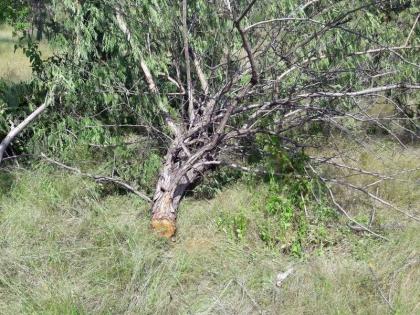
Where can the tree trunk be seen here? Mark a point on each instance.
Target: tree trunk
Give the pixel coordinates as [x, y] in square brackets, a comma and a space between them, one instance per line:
[164, 214]
[174, 180]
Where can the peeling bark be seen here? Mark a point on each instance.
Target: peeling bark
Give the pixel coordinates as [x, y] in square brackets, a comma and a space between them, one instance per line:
[166, 202]
[180, 171]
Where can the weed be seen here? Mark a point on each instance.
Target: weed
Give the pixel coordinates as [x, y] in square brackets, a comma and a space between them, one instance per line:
[233, 225]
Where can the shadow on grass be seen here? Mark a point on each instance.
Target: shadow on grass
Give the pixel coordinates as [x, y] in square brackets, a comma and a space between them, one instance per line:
[5, 40]
[6, 182]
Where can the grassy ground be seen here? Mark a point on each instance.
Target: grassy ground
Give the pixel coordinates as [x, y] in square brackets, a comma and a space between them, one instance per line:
[14, 65]
[67, 247]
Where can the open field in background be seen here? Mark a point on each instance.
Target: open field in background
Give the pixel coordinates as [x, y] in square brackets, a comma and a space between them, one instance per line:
[67, 247]
[14, 65]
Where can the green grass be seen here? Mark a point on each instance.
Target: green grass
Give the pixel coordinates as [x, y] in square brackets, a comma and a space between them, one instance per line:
[68, 249]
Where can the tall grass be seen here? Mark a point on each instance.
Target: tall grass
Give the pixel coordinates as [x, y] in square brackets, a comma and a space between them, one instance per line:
[69, 249]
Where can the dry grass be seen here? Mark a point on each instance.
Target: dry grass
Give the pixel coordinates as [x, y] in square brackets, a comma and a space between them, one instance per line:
[14, 65]
[66, 249]
[388, 158]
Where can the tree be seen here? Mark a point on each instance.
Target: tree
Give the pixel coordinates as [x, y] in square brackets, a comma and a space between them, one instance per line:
[215, 76]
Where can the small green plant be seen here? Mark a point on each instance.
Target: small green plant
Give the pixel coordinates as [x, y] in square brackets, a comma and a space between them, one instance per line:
[323, 213]
[234, 226]
[283, 224]
[295, 214]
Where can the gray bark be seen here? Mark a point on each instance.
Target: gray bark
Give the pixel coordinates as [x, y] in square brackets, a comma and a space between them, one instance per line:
[177, 175]
[19, 128]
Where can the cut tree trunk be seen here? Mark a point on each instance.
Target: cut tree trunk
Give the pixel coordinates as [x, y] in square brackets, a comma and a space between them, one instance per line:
[164, 214]
[175, 178]
[166, 202]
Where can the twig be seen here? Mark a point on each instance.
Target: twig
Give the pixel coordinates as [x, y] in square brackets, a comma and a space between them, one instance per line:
[384, 202]
[373, 212]
[278, 20]
[14, 157]
[248, 50]
[218, 298]
[99, 178]
[365, 228]
[249, 296]
[245, 12]
[245, 43]
[361, 92]
[304, 204]
[358, 170]
[362, 227]
[375, 278]
[412, 30]
[408, 262]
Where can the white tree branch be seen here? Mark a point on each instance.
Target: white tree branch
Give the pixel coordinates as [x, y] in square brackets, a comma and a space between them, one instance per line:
[19, 128]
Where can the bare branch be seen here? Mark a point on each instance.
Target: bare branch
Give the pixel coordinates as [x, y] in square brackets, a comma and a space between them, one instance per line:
[361, 92]
[344, 210]
[258, 24]
[147, 74]
[380, 290]
[237, 167]
[245, 42]
[99, 178]
[201, 76]
[19, 128]
[411, 31]
[356, 169]
[187, 61]
[373, 196]
[245, 12]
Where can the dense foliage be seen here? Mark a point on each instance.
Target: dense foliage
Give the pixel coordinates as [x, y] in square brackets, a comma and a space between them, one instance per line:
[126, 72]
[97, 69]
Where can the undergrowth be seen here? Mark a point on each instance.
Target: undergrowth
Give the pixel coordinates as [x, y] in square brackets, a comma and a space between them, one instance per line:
[284, 217]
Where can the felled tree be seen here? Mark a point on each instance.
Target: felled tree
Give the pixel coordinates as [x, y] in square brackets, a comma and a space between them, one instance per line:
[213, 75]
